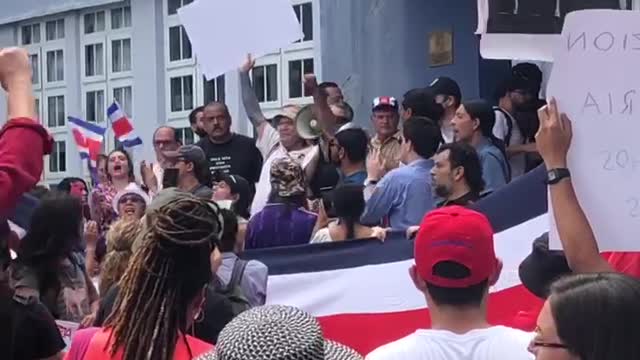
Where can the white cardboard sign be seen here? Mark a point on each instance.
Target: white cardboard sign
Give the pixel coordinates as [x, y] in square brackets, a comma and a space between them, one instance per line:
[223, 32]
[596, 81]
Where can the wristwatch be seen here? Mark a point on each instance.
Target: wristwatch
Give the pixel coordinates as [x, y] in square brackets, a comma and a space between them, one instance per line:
[370, 182]
[555, 175]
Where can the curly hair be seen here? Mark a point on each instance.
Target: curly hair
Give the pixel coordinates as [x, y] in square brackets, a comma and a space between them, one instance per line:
[120, 238]
[166, 273]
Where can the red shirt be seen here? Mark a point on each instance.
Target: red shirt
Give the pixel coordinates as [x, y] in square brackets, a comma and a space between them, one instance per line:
[23, 143]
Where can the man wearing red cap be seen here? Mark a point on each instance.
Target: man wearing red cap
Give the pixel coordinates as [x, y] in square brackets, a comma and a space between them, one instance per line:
[455, 266]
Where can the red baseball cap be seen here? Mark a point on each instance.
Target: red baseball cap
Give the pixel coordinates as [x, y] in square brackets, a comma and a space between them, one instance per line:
[455, 234]
[385, 101]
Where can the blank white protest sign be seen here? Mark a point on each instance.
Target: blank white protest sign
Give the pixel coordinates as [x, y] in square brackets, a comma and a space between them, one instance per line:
[596, 81]
[223, 32]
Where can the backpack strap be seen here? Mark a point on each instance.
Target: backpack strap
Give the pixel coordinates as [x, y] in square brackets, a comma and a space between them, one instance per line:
[510, 120]
[236, 274]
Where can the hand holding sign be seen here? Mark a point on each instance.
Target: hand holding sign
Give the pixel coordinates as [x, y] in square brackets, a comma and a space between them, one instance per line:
[554, 136]
[594, 83]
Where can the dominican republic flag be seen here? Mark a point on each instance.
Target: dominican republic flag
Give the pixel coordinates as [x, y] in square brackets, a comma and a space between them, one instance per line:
[122, 127]
[361, 291]
[528, 29]
[88, 138]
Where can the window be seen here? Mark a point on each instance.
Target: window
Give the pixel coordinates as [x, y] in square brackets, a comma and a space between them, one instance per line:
[185, 135]
[94, 22]
[214, 89]
[35, 69]
[58, 157]
[93, 60]
[121, 55]
[55, 113]
[304, 13]
[55, 66]
[37, 108]
[174, 5]
[124, 97]
[95, 108]
[30, 34]
[54, 29]
[181, 93]
[297, 70]
[121, 17]
[265, 82]
[179, 45]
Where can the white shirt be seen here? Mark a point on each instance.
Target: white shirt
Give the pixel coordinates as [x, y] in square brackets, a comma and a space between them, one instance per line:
[518, 163]
[158, 171]
[265, 144]
[446, 129]
[495, 343]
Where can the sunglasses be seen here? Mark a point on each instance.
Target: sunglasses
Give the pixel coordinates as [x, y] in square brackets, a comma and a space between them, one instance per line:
[132, 198]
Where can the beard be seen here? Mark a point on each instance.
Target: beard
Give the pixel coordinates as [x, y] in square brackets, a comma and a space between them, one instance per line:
[200, 132]
[442, 191]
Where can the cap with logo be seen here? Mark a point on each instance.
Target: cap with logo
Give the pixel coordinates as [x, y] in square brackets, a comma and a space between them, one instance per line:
[446, 86]
[385, 101]
[458, 235]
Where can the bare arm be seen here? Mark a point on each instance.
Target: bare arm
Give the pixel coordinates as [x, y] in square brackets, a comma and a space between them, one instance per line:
[577, 237]
[249, 99]
[321, 108]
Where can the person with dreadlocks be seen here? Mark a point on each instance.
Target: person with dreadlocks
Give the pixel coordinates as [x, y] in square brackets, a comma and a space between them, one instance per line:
[162, 294]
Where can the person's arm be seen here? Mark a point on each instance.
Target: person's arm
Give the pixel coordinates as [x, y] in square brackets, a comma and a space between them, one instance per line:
[492, 172]
[249, 99]
[380, 202]
[522, 148]
[577, 237]
[321, 108]
[23, 142]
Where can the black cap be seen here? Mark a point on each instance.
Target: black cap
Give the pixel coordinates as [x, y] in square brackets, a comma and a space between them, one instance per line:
[542, 267]
[446, 86]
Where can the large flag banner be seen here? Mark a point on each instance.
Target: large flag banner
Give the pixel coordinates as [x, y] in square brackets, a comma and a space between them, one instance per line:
[527, 29]
[122, 127]
[361, 290]
[88, 138]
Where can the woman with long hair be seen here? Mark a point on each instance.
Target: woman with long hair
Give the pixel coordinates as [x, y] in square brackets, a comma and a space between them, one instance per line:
[47, 267]
[590, 317]
[162, 292]
[119, 173]
[473, 124]
[348, 204]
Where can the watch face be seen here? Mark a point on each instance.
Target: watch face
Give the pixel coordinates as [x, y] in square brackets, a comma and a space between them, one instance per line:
[552, 175]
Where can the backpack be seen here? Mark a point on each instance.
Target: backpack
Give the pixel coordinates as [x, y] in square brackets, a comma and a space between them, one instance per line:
[510, 120]
[233, 292]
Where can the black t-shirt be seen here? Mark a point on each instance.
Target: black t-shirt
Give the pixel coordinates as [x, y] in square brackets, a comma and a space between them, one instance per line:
[238, 156]
[324, 179]
[218, 312]
[27, 330]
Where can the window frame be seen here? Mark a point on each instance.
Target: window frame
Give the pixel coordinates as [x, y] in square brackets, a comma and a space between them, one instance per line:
[286, 58]
[58, 83]
[57, 129]
[118, 37]
[124, 27]
[86, 89]
[38, 52]
[53, 175]
[182, 72]
[57, 37]
[277, 61]
[31, 26]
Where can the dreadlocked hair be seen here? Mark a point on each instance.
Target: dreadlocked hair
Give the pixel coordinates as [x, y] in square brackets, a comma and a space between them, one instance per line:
[167, 271]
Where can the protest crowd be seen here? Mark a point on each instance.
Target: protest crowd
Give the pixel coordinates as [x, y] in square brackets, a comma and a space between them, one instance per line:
[155, 262]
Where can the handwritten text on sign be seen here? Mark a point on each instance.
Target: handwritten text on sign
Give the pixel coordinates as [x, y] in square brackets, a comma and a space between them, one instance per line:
[596, 83]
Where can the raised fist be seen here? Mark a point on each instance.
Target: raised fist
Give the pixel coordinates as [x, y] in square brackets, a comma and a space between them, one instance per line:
[14, 67]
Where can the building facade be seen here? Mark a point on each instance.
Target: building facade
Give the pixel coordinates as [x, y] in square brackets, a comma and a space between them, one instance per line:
[87, 53]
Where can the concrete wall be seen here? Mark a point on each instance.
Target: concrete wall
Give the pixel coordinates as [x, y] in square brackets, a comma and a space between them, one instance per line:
[380, 47]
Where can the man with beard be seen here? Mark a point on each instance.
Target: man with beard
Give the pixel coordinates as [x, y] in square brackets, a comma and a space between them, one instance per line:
[456, 176]
[195, 120]
[348, 151]
[514, 96]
